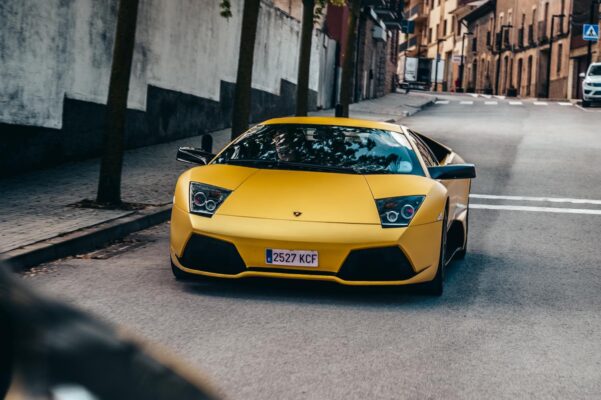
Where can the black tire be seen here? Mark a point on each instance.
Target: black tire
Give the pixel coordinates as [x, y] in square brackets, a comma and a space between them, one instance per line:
[436, 286]
[182, 275]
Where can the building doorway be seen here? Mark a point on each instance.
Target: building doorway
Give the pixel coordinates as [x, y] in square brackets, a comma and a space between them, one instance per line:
[529, 77]
[518, 82]
[541, 74]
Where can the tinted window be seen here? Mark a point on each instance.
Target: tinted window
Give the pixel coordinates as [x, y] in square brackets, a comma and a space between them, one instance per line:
[425, 151]
[595, 70]
[322, 147]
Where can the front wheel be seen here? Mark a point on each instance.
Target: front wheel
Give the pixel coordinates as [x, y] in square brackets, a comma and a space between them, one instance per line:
[435, 287]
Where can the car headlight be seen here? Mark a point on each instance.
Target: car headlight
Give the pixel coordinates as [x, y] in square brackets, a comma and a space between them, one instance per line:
[398, 211]
[206, 199]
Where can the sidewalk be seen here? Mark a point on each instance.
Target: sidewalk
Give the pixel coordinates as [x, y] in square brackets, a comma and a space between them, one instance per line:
[36, 208]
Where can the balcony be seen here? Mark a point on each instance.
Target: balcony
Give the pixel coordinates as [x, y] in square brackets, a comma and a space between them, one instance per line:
[391, 12]
[416, 13]
[530, 35]
[506, 41]
[542, 32]
[409, 44]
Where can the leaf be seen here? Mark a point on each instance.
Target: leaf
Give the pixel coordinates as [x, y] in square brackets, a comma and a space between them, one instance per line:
[226, 8]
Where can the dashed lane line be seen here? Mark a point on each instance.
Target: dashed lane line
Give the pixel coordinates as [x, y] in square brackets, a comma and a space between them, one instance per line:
[491, 103]
[536, 198]
[515, 103]
[564, 103]
[466, 102]
[441, 102]
[555, 210]
[541, 103]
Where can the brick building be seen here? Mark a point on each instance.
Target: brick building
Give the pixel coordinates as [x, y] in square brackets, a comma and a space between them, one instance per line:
[479, 58]
[377, 45]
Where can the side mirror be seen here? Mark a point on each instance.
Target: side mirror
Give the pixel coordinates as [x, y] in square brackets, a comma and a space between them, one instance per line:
[193, 155]
[582, 75]
[453, 171]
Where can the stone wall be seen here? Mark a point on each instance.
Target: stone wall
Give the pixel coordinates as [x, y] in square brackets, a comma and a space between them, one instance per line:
[56, 58]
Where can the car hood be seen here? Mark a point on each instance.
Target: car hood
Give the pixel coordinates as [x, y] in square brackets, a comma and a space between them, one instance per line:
[317, 196]
[593, 79]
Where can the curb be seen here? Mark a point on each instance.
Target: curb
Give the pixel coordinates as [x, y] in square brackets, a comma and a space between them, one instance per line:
[419, 108]
[84, 240]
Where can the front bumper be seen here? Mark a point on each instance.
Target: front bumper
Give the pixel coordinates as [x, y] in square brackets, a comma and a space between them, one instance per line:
[350, 254]
[591, 93]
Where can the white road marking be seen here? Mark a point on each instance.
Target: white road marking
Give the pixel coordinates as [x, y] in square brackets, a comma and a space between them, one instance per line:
[515, 103]
[469, 102]
[587, 109]
[563, 103]
[540, 103]
[536, 209]
[442, 102]
[491, 103]
[541, 199]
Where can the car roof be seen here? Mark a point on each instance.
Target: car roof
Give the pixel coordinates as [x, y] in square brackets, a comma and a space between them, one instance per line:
[335, 121]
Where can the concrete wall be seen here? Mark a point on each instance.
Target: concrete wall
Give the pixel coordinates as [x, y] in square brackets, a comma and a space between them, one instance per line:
[56, 57]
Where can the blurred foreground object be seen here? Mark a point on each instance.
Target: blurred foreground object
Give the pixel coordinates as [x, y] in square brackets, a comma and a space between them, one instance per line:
[49, 350]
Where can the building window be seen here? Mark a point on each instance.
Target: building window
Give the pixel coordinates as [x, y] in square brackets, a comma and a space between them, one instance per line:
[444, 32]
[430, 35]
[559, 57]
[437, 31]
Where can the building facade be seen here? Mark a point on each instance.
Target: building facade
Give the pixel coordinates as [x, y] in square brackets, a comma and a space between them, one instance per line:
[526, 48]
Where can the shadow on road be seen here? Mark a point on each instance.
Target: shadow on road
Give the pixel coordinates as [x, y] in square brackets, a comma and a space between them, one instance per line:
[317, 292]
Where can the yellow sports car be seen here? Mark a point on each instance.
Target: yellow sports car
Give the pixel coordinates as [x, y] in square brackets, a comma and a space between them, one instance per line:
[332, 199]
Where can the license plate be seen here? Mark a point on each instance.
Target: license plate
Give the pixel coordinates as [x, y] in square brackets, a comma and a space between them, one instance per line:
[297, 258]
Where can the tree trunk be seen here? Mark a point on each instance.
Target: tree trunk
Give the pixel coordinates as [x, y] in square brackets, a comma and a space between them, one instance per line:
[109, 183]
[304, 59]
[346, 81]
[242, 93]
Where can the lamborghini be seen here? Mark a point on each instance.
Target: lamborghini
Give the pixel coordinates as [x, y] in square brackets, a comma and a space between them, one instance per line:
[334, 199]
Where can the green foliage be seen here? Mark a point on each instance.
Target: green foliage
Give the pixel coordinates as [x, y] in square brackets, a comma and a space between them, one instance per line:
[226, 8]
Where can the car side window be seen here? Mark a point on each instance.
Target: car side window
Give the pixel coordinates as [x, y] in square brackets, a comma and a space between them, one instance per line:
[425, 151]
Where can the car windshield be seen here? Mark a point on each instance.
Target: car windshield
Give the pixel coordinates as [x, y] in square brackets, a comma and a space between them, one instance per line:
[595, 70]
[323, 148]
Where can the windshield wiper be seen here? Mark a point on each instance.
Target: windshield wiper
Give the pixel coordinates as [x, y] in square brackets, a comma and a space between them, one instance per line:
[318, 167]
[289, 164]
[248, 161]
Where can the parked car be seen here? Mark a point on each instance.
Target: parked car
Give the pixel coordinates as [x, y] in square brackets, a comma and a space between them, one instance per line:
[591, 86]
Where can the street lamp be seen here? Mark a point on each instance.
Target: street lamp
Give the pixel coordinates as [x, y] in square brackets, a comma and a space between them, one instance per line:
[499, 51]
[560, 17]
[438, 42]
[462, 65]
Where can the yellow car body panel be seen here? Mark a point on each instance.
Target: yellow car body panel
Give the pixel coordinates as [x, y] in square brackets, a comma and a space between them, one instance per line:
[338, 214]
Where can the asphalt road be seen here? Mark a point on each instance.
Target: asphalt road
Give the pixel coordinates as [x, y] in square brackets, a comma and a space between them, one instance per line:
[520, 317]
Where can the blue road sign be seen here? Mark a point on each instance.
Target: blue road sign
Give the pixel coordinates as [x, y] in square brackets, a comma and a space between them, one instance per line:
[590, 32]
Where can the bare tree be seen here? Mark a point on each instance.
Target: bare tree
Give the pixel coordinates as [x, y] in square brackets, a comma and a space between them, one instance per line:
[346, 81]
[109, 183]
[242, 93]
[304, 59]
